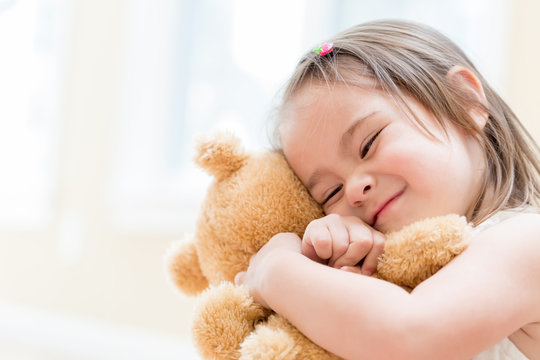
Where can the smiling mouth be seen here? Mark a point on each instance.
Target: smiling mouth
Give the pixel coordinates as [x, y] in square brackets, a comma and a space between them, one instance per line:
[376, 216]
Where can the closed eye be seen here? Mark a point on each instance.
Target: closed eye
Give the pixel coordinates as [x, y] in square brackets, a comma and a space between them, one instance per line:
[367, 146]
[332, 194]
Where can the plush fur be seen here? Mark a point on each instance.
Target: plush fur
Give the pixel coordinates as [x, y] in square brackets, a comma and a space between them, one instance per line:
[252, 198]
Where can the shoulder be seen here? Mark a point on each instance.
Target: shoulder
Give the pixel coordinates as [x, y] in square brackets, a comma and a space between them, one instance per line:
[513, 246]
[487, 292]
[518, 233]
[500, 262]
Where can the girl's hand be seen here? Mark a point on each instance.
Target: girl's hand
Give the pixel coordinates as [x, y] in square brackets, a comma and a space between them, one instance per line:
[260, 264]
[343, 242]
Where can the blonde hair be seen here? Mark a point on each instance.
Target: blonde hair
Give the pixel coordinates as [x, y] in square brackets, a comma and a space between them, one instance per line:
[409, 59]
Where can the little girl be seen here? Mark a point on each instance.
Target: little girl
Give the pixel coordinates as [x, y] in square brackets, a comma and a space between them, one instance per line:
[388, 124]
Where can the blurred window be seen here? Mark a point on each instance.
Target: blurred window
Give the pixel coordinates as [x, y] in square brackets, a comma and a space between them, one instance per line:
[192, 67]
[33, 38]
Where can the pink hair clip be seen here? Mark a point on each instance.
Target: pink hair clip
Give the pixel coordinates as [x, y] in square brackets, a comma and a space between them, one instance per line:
[324, 49]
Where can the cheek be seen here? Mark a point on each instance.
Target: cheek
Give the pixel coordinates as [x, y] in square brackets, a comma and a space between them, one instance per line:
[422, 166]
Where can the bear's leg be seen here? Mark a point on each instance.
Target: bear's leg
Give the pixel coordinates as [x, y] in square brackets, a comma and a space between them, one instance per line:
[224, 316]
[278, 339]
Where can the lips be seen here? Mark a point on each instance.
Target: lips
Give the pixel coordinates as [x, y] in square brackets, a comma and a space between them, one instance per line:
[384, 205]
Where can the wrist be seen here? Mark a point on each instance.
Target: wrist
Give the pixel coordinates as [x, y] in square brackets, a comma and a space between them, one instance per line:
[278, 266]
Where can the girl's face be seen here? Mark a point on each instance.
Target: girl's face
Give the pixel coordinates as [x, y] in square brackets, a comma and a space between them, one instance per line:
[360, 154]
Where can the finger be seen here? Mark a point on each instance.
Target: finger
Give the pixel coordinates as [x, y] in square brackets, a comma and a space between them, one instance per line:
[239, 278]
[372, 259]
[320, 239]
[340, 240]
[354, 255]
[309, 251]
[361, 241]
[307, 248]
[353, 269]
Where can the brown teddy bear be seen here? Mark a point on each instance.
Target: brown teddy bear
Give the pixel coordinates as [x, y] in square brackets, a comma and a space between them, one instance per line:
[253, 197]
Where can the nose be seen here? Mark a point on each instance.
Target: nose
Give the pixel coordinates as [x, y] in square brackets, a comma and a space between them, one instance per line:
[358, 188]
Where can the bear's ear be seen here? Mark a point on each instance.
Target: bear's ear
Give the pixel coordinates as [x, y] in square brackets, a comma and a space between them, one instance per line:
[183, 268]
[220, 155]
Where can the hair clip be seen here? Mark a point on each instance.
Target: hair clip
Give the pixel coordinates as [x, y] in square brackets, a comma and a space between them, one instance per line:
[324, 49]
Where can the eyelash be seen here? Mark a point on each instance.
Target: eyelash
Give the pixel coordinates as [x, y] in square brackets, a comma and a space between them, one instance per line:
[366, 147]
[363, 153]
[334, 192]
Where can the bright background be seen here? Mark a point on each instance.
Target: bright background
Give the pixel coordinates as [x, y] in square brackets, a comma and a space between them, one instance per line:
[99, 104]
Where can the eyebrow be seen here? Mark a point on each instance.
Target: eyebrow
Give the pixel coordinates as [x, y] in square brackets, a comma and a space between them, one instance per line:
[315, 178]
[319, 173]
[350, 131]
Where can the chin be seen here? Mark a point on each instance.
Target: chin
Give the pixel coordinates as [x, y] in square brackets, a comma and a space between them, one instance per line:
[394, 225]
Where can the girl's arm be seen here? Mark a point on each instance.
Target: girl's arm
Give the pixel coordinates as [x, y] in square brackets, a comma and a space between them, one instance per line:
[481, 297]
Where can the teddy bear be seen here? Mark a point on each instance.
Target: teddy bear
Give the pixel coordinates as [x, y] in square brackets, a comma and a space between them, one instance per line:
[254, 196]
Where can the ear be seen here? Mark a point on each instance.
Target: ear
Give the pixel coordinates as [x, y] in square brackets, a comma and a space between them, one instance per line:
[220, 155]
[469, 83]
[183, 268]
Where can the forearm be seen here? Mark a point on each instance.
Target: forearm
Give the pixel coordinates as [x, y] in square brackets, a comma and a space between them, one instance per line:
[349, 314]
[466, 307]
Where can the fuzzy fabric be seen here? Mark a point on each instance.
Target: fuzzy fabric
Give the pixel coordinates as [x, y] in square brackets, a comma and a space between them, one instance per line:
[252, 198]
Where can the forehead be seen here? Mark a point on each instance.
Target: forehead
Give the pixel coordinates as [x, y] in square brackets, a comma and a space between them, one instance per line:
[315, 102]
[316, 119]
[320, 111]
[312, 87]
